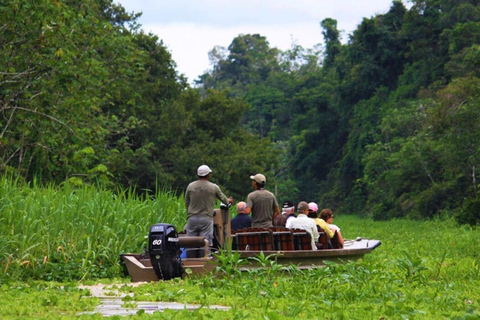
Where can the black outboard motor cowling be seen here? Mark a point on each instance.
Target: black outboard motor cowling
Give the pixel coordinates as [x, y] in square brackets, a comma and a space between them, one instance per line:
[164, 251]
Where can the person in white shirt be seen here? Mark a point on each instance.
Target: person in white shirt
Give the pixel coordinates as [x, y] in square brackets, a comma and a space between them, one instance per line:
[302, 221]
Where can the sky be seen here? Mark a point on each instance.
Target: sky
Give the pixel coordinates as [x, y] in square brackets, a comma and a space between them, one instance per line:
[191, 28]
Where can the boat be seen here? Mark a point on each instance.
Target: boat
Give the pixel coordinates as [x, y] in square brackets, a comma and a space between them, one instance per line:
[170, 254]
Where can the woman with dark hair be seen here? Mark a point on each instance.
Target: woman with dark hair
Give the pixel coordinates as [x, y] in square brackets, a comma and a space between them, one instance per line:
[327, 216]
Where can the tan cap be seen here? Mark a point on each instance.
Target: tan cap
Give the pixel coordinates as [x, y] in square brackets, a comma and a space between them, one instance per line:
[302, 206]
[260, 178]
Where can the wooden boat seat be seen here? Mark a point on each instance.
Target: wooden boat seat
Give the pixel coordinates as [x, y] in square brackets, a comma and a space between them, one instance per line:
[254, 239]
[323, 239]
[302, 240]
[233, 240]
[336, 241]
[282, 238]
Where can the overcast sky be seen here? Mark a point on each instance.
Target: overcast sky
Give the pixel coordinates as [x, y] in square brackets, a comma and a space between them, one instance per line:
[191, 28]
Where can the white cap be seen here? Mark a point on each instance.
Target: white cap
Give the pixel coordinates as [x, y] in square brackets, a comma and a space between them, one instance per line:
[260, 178]
[203, 170]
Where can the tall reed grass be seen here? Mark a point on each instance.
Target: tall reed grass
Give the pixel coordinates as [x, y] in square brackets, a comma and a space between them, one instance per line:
[54, 232]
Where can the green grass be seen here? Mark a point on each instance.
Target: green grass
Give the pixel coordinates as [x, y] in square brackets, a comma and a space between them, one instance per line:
[422, 270]
[71, 233]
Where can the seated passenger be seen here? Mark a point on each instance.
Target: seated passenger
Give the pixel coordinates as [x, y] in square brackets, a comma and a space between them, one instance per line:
[313, 213]
[288, 211]
[242, 220]
[302, 221]
[327, 215]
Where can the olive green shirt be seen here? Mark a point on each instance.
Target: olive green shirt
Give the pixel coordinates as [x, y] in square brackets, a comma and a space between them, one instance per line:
[200, 198]
[263, 204]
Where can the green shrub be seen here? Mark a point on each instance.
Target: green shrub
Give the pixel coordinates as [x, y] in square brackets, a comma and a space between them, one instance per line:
[438, 197]
[469, 212]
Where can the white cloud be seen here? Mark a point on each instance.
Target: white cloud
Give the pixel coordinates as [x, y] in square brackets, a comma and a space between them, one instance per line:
[190, 44]
[191, 28]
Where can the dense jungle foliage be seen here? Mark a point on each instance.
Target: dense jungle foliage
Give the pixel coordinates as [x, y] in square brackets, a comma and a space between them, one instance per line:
[384, 124]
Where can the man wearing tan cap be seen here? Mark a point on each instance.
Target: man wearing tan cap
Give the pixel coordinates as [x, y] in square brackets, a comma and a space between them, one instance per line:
[261, 203]
[302, 221]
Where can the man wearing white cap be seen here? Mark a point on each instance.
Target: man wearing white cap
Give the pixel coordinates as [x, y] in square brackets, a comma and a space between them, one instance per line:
[199, 200]
[261, 203]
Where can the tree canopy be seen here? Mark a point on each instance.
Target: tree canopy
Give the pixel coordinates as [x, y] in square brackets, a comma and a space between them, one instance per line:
[87, 97]
[384, 123]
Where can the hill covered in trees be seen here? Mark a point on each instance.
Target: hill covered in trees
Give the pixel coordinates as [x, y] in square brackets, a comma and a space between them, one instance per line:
[385, 124]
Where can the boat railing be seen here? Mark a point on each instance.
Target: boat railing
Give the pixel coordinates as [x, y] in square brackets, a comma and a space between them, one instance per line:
[283, 239]
[254, 239]
[194, 246]
[271, 239]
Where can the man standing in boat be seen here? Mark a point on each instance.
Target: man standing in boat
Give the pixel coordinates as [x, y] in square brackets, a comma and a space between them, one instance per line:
[200, 200]
[261, 203]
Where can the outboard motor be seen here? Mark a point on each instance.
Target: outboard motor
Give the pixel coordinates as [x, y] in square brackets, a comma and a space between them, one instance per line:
[164, 251]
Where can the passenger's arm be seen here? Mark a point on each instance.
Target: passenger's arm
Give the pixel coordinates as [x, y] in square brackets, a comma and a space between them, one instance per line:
[340, 238]
[249, 205]
[315, 233]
